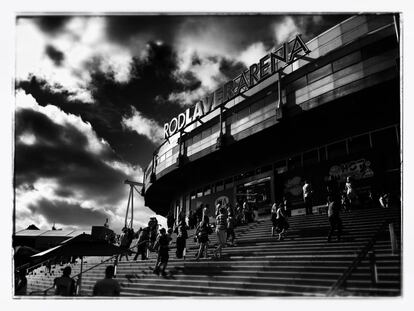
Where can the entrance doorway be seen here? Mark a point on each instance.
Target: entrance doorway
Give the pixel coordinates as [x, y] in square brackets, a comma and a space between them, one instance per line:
[257, 192]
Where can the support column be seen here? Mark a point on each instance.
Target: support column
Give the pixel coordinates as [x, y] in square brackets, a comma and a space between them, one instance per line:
[279, 105]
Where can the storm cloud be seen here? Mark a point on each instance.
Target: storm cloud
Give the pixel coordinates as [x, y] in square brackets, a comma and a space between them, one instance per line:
[61, 153]
[92, 93]
[68, 214]
[55, 55]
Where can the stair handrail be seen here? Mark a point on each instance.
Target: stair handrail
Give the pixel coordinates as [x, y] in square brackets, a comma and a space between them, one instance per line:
[361, 255]
[44, 291]
[34, 266]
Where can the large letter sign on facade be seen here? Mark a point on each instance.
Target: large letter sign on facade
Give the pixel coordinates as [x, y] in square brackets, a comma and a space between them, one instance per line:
[255, 74]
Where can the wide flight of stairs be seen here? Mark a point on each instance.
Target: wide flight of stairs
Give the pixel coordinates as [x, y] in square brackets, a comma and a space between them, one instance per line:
[302, 264]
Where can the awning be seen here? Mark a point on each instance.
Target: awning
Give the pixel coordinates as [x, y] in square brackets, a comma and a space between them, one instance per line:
[81, 245]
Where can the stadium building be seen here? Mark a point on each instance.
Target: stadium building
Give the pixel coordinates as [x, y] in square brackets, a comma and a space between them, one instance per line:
[309, 110]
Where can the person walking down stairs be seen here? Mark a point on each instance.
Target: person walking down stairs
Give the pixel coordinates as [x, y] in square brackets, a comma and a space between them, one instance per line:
[202, 232]
[126, 240]
[182, 236]
[162, 243]
[221, 231]
[142, 244]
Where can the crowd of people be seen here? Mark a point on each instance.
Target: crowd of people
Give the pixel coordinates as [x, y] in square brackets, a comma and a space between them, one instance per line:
[226, 218]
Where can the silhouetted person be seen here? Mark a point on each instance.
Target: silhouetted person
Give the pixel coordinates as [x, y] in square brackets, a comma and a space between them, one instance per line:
[281, 223]
[170, 219]
[21, 283]
[162, 243]
[65, 285]
[153, 231]
[142, 244]
[334, 218]
[221, 231]
[126, 240]
[199, 213]
[273, 218]
[181, 239]
[191, 219]
[202, 232]
[106, 224]
[384, 200]
[307, 197]
[231, 222]
[350, 193]
[255, 211]
[107, 286]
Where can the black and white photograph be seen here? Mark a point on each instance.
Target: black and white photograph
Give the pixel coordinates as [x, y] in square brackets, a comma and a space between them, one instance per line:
[207, 155]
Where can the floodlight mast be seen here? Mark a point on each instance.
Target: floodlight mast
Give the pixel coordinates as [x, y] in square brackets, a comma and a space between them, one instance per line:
[135, 183]
[132, 186]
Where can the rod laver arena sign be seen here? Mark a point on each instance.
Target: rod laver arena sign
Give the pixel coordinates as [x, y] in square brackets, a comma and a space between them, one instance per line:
[256, 73]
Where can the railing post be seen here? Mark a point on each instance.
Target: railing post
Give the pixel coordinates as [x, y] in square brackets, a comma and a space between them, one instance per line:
[392, 238]
[79, 285]
[115, 265]
[373, 268]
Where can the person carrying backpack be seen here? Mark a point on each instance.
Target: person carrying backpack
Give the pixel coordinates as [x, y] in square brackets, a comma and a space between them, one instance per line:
[162, 244]
[202, 232]
[126, 240]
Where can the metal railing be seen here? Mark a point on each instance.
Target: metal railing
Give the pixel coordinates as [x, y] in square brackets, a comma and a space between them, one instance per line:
[367, 249]
[79, 275]
[30, 268]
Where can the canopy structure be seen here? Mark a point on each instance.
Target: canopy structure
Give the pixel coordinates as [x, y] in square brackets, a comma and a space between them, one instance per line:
[22, 255]
[81, 245]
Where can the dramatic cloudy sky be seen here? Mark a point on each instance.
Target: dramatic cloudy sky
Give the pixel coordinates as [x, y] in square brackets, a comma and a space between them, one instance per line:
[92, 94]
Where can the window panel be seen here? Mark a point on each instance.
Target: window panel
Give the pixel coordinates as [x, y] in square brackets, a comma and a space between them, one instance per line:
[385, 139]
[310, 157]
[207, 190]
[297, 84]
[319, 73]
[229, 183]
[358, 144]
[346, 60]
[336, 150]
[257, 106]
[206, 133]
[199, 193]
[219, 186]
[243, 113]
[196, 138]
[295, 162]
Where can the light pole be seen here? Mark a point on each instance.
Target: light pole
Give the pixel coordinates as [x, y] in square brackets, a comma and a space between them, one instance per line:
[132, 186]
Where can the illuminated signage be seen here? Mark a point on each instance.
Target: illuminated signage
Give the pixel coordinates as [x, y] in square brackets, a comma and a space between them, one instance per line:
[256, 73]
[358, 169]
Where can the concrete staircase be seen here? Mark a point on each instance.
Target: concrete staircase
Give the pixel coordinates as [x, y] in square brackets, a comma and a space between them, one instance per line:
[302, 264]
